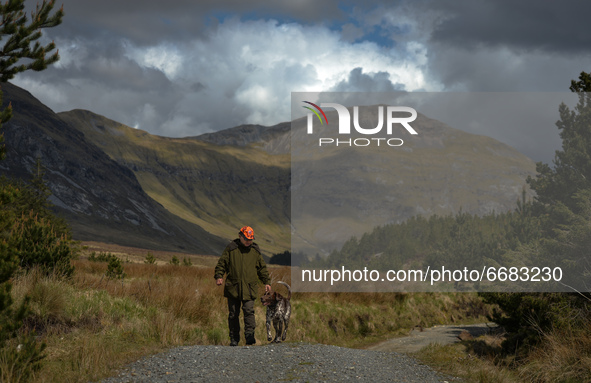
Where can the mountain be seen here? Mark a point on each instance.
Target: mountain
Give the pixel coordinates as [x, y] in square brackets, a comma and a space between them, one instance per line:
[118, 184]
[100, 198]
[274, 139]
[344, 191]
[220, 187]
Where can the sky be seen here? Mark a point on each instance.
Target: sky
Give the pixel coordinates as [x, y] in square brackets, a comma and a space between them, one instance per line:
[184, 67]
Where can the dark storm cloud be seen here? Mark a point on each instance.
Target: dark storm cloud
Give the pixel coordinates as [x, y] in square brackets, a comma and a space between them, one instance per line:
[528, 25]
[105, 63]
[152, 21]
[501, 69]
[501, 45]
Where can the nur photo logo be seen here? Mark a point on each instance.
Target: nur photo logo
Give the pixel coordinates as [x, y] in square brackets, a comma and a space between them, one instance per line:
[316, 113]
[392, 115]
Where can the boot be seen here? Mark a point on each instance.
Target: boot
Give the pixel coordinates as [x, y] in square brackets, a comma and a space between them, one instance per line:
[250, 340]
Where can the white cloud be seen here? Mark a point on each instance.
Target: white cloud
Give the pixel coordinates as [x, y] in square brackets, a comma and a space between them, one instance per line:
[256, 65]
[239, 72]
[164, 57]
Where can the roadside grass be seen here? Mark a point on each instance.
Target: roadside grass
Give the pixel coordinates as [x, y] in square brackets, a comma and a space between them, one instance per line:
[561, 356]
[455, 360]
[94, 325]
[360, 319]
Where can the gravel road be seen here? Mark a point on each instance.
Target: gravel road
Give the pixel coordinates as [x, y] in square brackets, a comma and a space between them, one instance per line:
[290, 362]
[419, 338]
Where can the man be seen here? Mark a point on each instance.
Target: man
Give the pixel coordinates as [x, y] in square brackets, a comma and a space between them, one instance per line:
[244, 265]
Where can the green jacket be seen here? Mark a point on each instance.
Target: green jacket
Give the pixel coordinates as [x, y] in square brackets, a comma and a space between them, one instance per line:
[244, 266]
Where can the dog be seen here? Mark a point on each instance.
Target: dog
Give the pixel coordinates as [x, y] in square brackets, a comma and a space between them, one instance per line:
[278, 313]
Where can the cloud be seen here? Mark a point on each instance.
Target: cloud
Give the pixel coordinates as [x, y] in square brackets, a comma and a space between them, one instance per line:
[239, 72]
[502, 69]
[150, 22]
[350, 32]
[527, 25]
[361, 82]
[487, 45]
[185, 67]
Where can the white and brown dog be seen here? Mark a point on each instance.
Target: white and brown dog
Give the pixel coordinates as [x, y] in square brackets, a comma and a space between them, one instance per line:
[278, 312]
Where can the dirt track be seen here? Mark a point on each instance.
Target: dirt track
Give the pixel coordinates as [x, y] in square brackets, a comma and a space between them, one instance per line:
[419, 338]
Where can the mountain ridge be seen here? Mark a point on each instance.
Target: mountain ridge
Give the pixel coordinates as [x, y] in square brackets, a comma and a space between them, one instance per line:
[203, 188]
[100, 199]
[271, 138]
[210, 185]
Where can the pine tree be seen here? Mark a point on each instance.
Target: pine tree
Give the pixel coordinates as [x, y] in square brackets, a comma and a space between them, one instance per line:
[150, 259]
[22, 33]
[18, 34]
[175, 261]
[564, 191]
[20, 52]
[563, 203]
[115, 268]
[572, 164]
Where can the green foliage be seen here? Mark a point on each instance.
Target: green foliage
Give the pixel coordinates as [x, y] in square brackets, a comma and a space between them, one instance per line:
[36, 244]
[175, 260]
[115, 268]
[564, 191]
[459, 241]
[563, 207]
[215, 335]
[21, 359]
[16, 364]
[527, 316]
[37, 237]
[187, 262]
[572, 164]
[569, 240]
[8, 258]
[18, 35]
[22, 34]
[150, 259]
[10, 317]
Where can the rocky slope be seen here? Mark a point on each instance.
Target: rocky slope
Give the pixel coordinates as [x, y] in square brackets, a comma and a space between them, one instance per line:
[100, 198]
[218, 187]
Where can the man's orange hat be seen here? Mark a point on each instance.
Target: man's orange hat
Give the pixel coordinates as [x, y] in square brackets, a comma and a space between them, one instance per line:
[247, 232]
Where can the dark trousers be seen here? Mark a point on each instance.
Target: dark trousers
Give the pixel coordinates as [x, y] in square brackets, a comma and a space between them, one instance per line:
[234, 319]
